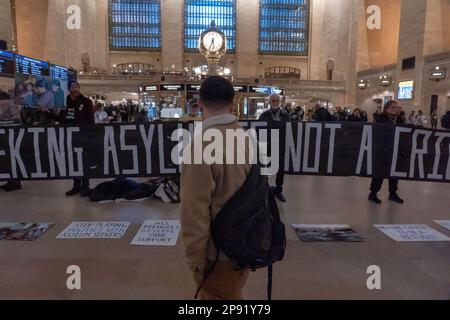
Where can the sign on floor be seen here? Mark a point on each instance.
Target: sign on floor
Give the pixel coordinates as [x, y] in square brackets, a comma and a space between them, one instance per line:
[158, 233]
[23, 231]
[326, 233]
[411, 233]
[95, 230]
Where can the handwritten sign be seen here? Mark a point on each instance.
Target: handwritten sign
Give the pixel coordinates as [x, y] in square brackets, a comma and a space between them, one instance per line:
[94, 230]
[412, 233]
[158, 233]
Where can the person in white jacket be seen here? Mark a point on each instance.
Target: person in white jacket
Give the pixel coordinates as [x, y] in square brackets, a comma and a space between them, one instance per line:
[421, 119]
[100, 115]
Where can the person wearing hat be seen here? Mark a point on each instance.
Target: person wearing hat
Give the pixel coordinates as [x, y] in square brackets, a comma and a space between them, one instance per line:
[193, 113]
[79, 111]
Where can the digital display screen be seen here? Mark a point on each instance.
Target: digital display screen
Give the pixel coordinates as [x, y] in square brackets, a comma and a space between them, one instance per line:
[405, 90]
[172, 87]
[241, 88]
[151, 88]
[6, 64]
[57, 72]
[193, 87]
[266, 90]
[29, 66]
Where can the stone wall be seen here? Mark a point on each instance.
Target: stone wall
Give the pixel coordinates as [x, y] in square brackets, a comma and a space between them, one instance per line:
[5, 23]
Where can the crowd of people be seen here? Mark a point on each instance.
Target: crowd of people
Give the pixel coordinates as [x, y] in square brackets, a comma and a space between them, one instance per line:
[323, 114]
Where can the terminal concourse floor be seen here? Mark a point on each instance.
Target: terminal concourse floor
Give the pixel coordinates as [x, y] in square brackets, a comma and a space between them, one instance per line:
[112, 269]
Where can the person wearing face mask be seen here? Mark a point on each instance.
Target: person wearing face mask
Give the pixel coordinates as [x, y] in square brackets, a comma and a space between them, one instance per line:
[390, 115]
[278, 115]
[79, 111]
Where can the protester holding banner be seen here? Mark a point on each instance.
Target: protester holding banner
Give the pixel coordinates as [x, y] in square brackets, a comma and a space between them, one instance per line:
[276, 115]
[390, 115]
[205, 189]
[79, 112]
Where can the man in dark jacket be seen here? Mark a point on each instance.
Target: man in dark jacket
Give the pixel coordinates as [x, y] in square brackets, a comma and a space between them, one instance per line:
[79, 111]
[277, 116]
[322, 115]
[389, 115]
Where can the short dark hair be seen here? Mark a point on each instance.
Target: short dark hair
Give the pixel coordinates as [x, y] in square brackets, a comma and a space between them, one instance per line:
[217, 92]
[388, 104]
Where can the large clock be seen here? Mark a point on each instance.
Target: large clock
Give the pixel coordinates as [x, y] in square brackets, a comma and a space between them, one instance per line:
[213, 42]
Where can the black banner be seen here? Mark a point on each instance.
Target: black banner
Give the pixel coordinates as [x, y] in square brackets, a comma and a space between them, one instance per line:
[305, 148]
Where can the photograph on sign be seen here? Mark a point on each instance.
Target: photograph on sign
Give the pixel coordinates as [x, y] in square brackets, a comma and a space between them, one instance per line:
[405, 90]
[23, 231]
[9, 111]
[412, 233]
[326, 233]
[158, 233]
[95, 230]
[443, 223]
[40, 91]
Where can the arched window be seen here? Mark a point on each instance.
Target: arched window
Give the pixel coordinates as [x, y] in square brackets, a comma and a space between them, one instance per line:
[134, 24]
[284, 27]
[198, 15]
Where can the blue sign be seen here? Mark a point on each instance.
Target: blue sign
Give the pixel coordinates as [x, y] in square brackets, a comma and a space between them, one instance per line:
[29, 66]
[6, 64]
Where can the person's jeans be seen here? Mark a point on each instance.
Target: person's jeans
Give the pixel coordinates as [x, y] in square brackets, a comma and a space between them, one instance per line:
[377, 183]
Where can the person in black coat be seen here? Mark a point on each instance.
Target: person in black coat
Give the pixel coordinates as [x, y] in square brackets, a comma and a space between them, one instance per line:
[322, 114]
[275, 116]
[79, 112]
[389, 115]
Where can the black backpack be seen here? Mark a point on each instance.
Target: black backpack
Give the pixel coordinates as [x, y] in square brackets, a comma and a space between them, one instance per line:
[248, 229]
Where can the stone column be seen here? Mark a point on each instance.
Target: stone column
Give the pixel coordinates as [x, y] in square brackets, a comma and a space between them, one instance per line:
[172, 34]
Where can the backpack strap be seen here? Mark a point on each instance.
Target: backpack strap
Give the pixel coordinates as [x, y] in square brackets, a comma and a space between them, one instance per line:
[269, 281]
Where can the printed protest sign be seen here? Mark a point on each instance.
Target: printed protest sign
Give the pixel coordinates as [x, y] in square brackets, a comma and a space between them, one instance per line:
[158, 233]
[95, 230]
[412, 233]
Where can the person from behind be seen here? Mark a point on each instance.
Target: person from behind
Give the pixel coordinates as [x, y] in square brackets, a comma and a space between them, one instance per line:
[205, 189]
[389, 115]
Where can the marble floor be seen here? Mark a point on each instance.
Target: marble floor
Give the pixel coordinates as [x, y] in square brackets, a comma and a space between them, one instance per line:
[112, 269]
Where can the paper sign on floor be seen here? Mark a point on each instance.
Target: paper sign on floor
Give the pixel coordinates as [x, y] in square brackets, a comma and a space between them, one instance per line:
[411, 233]
[443, 223]
[326, 233]
[95, 230]
[158, 233]
[23, 231]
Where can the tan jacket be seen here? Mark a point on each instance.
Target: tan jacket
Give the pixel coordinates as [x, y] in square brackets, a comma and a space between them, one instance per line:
[205, 189]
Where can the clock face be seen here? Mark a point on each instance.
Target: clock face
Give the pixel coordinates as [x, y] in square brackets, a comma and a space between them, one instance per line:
[213, 41]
